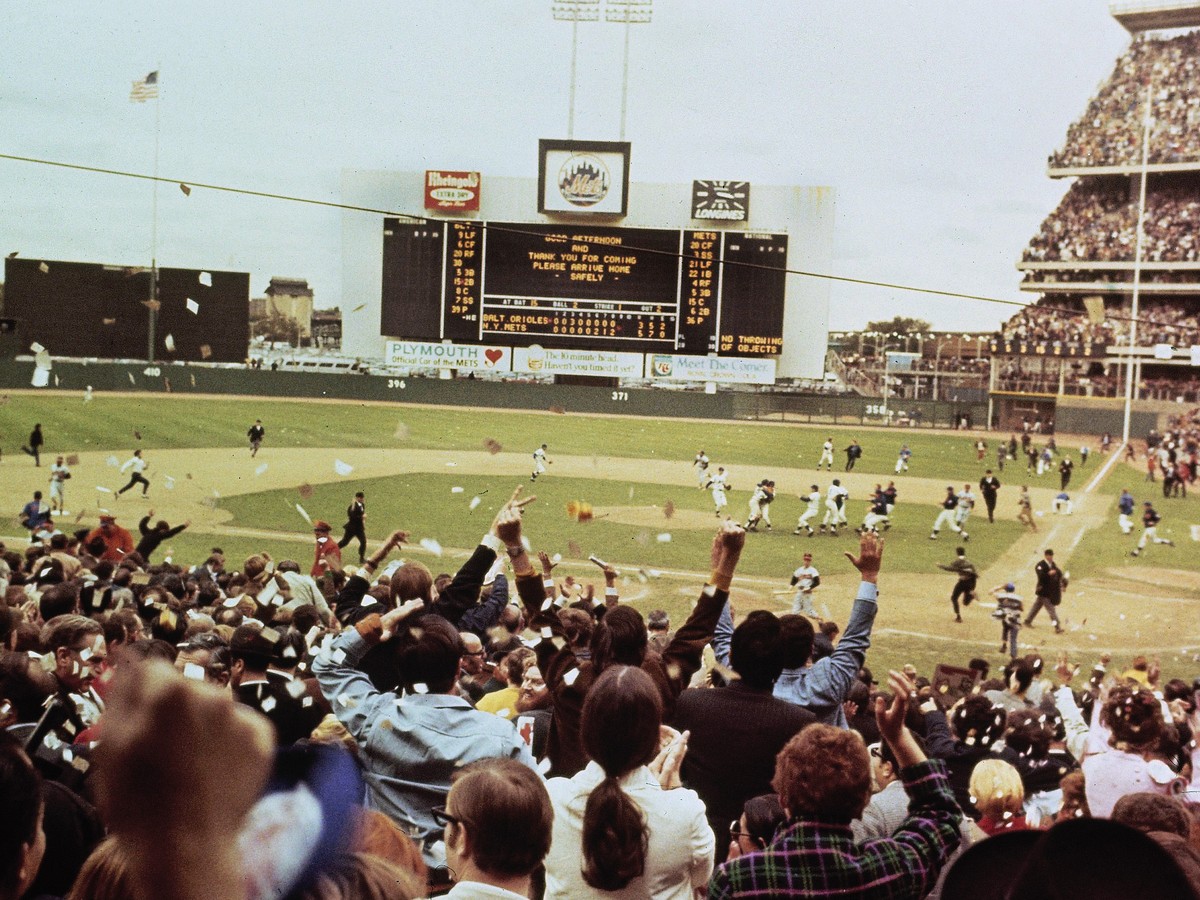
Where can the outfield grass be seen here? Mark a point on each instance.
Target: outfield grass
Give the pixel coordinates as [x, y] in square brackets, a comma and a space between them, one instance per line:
[110, 422]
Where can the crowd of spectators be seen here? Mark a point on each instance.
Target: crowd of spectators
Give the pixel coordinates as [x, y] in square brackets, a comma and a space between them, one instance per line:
[1097, 222]
[1106, 278]
[1057, 322]
[1062, 321]
[197, 731]
[1028, 375]
[1109, 133]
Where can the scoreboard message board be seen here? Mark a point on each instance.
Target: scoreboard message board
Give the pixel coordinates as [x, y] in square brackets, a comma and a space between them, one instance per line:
[586, 287]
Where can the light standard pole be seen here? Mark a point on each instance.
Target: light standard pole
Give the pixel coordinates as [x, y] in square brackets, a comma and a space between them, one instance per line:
[1137, 268]
[629, 12]
[574, 11]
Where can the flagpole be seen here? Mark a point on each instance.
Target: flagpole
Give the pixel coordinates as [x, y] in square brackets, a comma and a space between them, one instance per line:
[150, 334]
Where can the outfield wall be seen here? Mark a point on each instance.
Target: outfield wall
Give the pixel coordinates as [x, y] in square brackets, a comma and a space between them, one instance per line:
[654, 403]
[1073, 415]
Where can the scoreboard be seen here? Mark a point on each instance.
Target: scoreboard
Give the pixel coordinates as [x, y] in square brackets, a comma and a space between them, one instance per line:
[585, 287]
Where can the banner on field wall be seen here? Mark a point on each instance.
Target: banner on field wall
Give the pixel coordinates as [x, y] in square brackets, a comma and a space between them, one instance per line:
[727, 369]
[539, 360]
[432, 355]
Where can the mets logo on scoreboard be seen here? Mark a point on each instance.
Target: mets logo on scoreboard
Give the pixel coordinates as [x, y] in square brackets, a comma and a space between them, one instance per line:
[583, 180]
[725, 200]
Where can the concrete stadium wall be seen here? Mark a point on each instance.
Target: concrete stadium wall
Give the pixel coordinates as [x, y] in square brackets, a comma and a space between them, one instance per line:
[1097, 415]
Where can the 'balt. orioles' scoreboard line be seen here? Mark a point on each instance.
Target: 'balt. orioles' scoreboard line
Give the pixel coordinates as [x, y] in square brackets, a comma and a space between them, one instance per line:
[575, 287]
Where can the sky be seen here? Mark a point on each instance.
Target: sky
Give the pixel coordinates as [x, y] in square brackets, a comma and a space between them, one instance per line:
[931, 121]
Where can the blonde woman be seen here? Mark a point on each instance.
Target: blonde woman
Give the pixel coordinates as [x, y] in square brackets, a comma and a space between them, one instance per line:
[998, 794]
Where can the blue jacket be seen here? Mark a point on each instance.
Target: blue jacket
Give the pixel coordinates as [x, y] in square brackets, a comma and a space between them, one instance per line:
[823, 687]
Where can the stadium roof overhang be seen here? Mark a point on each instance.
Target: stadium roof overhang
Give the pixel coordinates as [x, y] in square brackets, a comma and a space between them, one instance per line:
[1155, 16]
[1128, 169]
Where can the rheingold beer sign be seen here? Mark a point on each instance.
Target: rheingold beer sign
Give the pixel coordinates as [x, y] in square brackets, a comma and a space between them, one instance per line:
[451, 191]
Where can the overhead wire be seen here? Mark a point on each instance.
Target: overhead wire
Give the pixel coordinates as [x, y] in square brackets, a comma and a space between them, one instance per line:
[415, 218]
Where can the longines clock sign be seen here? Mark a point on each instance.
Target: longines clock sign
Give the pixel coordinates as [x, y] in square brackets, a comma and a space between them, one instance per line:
[728, 201]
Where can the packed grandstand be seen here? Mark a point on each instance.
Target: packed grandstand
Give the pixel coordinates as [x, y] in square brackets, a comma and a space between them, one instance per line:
[1088, 246]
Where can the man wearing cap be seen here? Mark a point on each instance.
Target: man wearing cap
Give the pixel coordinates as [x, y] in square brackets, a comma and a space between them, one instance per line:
[1150, 520]
[355, 527]
[1050, 584]
[813, 499]
[109, 541]
[1009, 606]
[805, 580]
[326, 550]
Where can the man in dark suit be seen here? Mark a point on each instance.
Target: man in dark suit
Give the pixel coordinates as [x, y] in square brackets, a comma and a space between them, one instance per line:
[291, 710]
[737, 731]
[1050, 584]
[989, 485]
[356, 513]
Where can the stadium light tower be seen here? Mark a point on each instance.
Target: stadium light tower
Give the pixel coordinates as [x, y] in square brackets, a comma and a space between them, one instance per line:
[626, 12]
[629, 12]
[574, 11]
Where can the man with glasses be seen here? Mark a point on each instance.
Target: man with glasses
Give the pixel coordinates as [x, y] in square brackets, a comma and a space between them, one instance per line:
[496, 824]
[472, 672]
[77, 646]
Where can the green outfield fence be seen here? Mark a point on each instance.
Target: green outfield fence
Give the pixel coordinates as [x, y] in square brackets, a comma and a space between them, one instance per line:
[1073, 415]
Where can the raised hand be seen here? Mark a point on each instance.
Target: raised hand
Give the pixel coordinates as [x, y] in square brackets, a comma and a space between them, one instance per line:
[890, 718]
[727, 547]
[507, 524]
[870, 556]
[392, 618]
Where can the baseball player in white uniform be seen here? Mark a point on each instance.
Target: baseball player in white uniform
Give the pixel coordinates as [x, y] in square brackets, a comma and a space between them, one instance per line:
[760, 505]
[826, 459]
[813, 498]
[835, 507]
[805, 580]
[719, 484]
[966, 503]
[539, 462]
[700, 464]
[59, 473]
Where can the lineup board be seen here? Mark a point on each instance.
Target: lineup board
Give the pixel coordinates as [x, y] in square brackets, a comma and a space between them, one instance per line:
[585, 287]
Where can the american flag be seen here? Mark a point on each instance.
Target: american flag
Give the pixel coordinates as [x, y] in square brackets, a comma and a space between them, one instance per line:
[145, 89]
